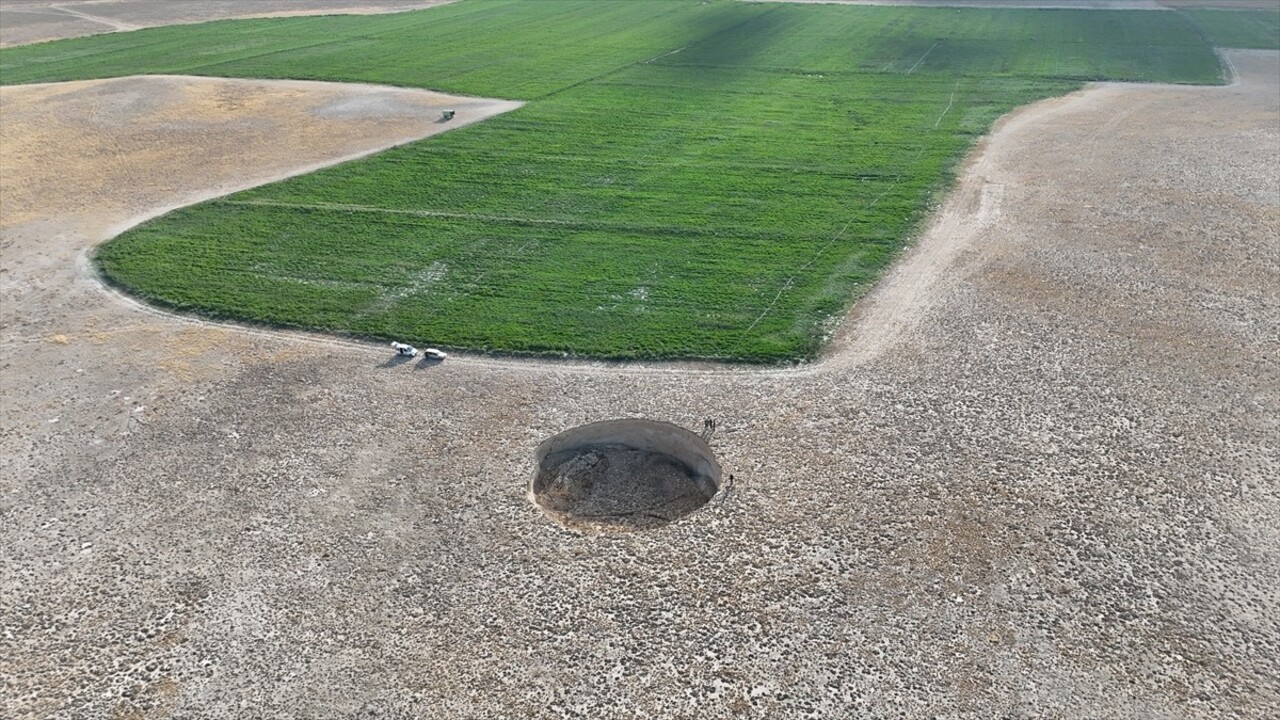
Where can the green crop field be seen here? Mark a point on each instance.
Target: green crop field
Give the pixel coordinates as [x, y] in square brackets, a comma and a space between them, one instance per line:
[1258, 29]
[689, 179]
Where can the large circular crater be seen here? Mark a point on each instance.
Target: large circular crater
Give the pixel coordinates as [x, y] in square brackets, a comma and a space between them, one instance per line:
[629, 474]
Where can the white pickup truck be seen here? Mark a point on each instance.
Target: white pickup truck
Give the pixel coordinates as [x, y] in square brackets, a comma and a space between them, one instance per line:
[408, 350]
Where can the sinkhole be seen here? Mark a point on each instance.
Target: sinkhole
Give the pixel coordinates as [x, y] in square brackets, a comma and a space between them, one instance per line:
[621, 475]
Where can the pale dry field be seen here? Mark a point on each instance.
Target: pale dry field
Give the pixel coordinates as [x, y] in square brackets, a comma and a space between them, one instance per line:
[1034, 477]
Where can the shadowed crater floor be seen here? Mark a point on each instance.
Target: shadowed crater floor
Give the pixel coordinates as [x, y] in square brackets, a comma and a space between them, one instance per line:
[624, 475]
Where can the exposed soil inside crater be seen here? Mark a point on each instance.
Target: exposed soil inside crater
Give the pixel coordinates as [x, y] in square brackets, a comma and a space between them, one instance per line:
[618, 486]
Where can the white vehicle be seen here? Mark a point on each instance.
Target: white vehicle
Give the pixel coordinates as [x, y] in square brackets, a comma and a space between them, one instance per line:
[404, 349]
[434, 354]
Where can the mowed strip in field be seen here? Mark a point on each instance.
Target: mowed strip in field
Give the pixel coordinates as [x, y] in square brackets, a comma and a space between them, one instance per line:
[690, 179]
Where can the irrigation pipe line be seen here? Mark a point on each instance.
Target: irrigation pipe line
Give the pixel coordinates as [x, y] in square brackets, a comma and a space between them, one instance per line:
[922, 57]
[791, 280]
[947, 109]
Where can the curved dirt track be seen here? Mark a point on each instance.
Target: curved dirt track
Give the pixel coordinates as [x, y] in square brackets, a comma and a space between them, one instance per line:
[1039, 483]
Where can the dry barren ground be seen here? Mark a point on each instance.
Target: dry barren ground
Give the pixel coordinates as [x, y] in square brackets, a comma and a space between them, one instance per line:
[28, 21]
[1035, 478]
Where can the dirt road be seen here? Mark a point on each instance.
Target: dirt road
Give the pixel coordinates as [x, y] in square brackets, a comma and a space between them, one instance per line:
[1035, 478]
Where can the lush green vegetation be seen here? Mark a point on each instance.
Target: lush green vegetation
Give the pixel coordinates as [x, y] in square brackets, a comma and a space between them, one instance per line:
[528, 48]
[504, 48]
[690, 179]
[1258, 29]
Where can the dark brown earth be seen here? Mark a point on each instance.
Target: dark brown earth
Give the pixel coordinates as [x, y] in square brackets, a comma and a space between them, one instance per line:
[616, 486]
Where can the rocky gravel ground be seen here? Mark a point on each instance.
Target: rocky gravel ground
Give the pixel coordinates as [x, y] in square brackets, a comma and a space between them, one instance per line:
[1035, 478]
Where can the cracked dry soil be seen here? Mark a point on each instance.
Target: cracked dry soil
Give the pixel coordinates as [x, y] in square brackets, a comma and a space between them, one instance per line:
[1049, 492]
